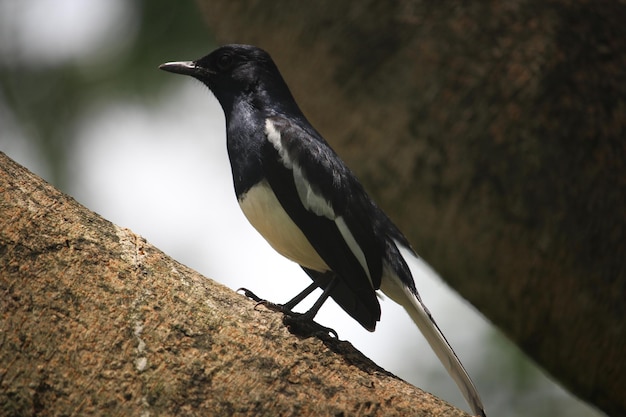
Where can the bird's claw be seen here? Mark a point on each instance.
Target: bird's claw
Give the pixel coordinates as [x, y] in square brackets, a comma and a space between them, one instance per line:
[296, 322]
[305, 326]
[261, 302]
[249, 294]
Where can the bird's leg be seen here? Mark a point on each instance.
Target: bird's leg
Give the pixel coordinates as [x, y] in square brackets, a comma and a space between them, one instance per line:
[283, 308]
[301, 296]
[301, 322]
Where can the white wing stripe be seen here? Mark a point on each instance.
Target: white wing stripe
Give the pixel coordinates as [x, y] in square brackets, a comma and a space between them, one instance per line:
[273, 135]
[353, 245]
[311, 200]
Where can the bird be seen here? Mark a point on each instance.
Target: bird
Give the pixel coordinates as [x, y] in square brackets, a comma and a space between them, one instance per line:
[301, 197]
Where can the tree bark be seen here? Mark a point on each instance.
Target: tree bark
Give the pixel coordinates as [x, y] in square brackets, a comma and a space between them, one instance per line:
[493, 133]
[96, 321]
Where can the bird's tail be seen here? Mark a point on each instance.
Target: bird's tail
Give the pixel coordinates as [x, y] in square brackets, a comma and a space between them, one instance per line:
[418, 312]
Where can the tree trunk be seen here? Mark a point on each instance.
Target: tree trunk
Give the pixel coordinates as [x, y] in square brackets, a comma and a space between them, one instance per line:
[493, 133]
[96, 321]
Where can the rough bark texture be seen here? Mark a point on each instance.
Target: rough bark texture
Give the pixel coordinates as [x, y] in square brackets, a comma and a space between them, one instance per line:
[493, 133]
[96, 321]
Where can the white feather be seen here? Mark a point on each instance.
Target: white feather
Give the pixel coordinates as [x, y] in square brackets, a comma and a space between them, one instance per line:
[400, 293]
[353, 245]
[265, 213]
[311, 200]
[273, 135]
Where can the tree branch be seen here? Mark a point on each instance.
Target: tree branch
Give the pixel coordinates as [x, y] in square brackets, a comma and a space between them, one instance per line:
[95, 320]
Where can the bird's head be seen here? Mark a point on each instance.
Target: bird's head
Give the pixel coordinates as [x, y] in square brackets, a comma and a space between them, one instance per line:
[234, 71]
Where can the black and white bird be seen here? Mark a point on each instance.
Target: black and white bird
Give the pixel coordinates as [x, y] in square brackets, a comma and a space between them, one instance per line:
[297, 193]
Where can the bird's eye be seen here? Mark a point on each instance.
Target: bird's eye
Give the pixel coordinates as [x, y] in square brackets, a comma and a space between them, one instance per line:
[225, 61]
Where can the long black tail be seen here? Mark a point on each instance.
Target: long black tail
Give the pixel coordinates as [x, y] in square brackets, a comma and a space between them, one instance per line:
[401, 294]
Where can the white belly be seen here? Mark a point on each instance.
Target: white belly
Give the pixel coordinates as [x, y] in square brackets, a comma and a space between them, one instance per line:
[268, 217]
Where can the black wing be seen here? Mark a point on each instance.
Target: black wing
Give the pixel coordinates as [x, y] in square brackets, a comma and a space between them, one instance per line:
[331, 208]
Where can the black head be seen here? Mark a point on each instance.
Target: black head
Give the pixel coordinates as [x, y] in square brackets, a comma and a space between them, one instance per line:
[237, 72]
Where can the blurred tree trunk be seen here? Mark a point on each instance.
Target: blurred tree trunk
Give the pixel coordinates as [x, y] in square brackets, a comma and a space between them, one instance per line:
[493, 133]
[96, 321]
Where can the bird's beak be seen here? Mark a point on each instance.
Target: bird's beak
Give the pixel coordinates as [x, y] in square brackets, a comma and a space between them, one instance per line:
[181, 67]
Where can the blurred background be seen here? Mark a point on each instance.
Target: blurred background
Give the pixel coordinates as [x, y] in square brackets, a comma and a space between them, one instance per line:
[83, 105]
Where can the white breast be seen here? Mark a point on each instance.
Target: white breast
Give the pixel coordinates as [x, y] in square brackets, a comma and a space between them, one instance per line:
[268, 217]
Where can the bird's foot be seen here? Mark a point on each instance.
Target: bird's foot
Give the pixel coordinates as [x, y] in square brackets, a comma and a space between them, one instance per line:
[305, 326]
[261, 302]
[297, 323]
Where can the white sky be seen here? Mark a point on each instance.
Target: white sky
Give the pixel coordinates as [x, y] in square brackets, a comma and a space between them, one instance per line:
[50, 32]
